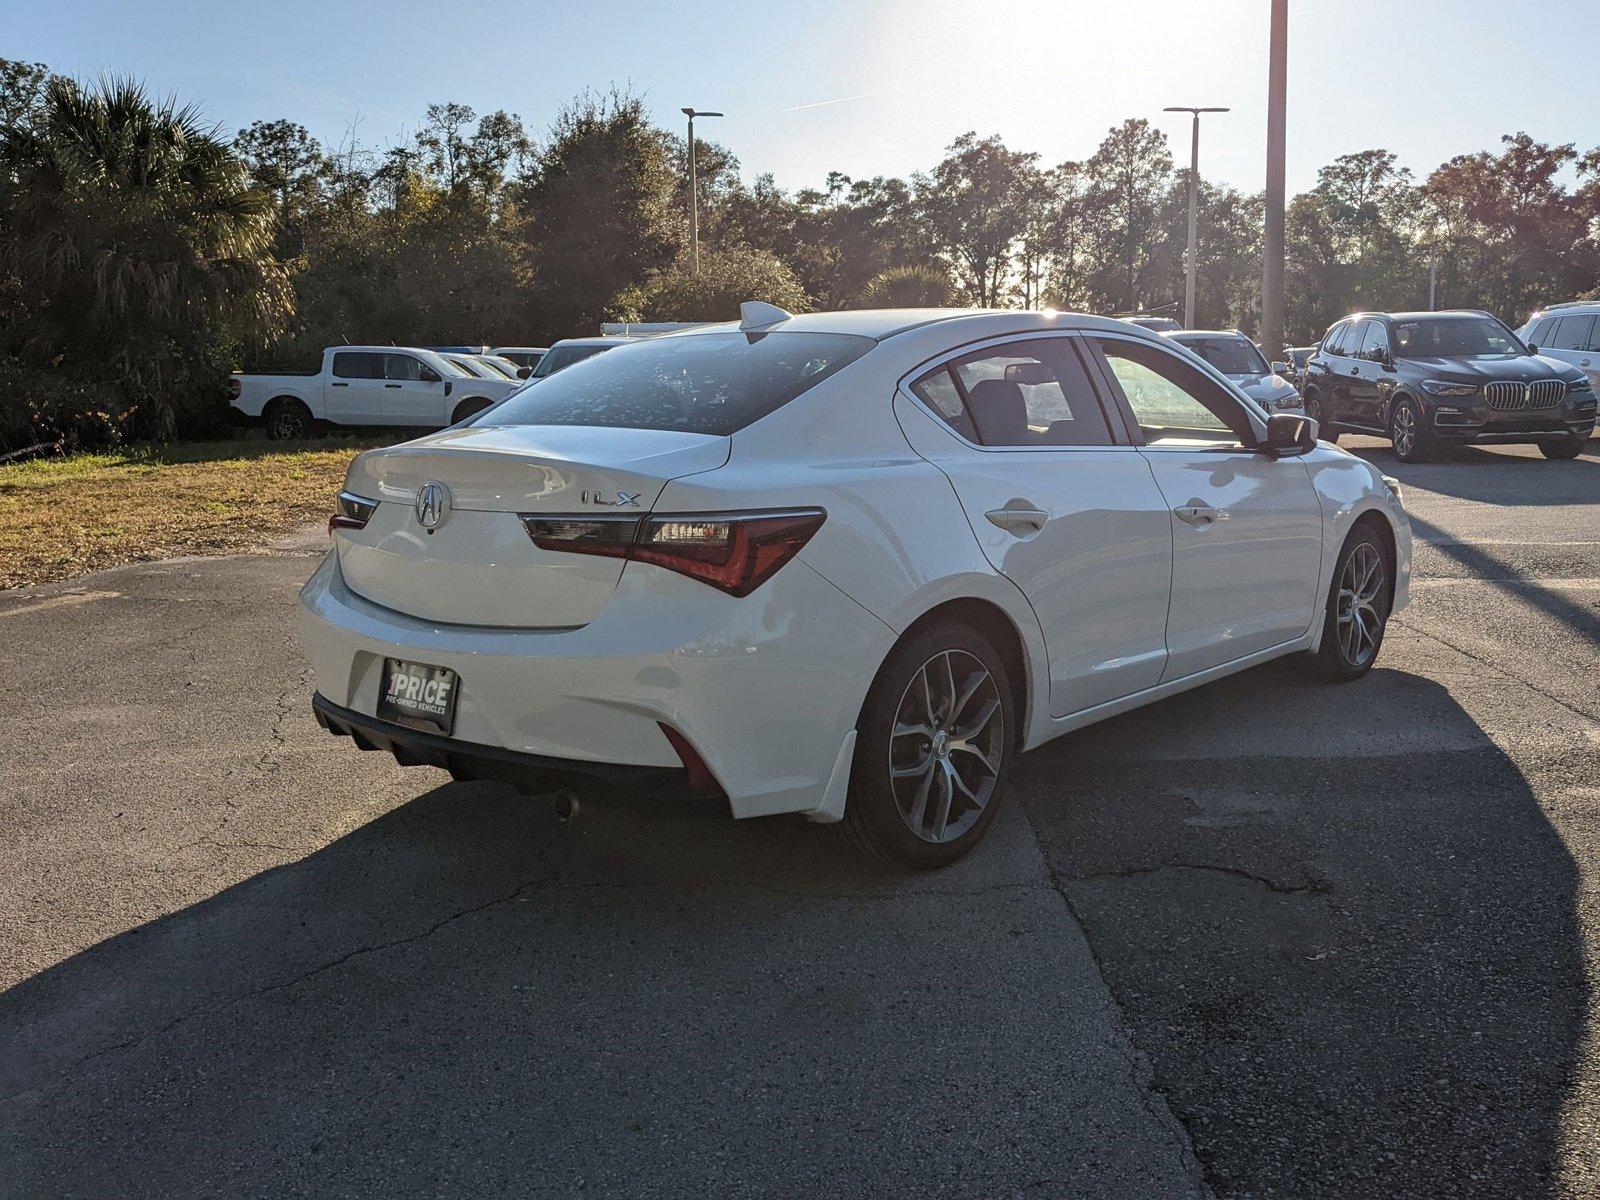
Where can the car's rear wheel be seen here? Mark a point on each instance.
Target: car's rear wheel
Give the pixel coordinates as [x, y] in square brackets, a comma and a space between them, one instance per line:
[1568, 447]
[933, 749]
[287, 420]
[1314, 410]
[1412, 442]
[1358, 608]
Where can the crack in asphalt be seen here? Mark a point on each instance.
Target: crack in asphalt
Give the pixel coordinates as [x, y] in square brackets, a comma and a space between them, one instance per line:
[1315, 887]
[1141, 1073]
[266, 762]
[521, 890]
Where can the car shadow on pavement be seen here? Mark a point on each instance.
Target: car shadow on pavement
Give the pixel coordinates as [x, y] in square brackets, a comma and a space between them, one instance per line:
[1479, 473]
[469, 996]
[1340, 925]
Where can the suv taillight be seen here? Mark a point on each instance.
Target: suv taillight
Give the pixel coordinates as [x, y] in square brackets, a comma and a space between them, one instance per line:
[735, 552]
[235, 386]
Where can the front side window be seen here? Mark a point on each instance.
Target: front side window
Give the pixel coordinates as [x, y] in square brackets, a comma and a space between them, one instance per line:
[1334, 343]
[402, 367]
[1375, 338]
[1454, 337]
[714, 383]
[1173, 403]
[1034, 392]
[1539, 335]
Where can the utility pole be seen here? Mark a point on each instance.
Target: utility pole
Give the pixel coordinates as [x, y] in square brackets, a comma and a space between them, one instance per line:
[1194, 190]
[1433, 286]
[1272, 243]
[694, 192]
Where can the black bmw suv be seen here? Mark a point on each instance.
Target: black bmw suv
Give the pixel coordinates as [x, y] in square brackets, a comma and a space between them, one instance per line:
[1431, 379]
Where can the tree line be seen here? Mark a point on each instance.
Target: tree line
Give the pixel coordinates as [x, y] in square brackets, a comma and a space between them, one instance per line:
[143, 253]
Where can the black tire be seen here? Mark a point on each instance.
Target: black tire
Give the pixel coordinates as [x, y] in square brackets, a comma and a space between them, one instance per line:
[1335, 661]
[287, 420]
[1568, 447]
[881, 810]
[1412, 440]
[470, 407]
[1325, 432]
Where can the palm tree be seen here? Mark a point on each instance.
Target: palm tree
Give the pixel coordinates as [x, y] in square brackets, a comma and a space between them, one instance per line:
[140, 248]
[909, 287]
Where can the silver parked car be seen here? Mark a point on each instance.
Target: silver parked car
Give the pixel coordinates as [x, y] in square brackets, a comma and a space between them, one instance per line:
[1237, 357]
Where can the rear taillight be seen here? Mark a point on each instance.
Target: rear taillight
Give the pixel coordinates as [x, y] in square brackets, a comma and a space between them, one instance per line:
[354, 512]
[735, 552]
[234, 388]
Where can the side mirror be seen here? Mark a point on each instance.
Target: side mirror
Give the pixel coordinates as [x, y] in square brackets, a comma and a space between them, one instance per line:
[1532, 349]
[524, 372]
[429, 375]
[1281, 368]
[1290, 434]
[1378, 355]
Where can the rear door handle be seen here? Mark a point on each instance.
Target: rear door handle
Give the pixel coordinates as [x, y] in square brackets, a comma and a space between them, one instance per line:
[1023, 522]
[341, 385]
[1199, 514]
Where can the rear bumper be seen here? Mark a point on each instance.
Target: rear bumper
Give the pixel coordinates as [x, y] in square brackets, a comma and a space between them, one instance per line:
[765, 688]
[467, 760]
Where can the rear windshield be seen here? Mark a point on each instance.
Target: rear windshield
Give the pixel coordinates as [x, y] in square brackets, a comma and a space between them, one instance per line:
[713, 383]
[1230, 355]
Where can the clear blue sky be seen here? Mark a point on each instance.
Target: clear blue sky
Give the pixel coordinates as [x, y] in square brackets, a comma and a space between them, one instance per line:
[872, 86]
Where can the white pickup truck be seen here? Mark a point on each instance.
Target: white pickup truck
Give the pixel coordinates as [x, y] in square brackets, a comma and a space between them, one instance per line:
[367, 385]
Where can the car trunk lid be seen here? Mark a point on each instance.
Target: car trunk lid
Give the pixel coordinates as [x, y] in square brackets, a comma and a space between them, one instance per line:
[477, 565]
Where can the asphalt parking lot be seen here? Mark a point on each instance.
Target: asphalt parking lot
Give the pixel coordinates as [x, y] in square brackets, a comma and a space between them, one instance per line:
[1269, 938]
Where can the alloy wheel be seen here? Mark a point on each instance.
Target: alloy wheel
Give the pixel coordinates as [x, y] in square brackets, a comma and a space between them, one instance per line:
[287, 425]
[946, 746]
[1405, 430]
[1360, 624]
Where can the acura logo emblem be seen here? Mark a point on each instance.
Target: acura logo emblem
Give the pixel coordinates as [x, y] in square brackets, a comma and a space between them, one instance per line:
[433, 501]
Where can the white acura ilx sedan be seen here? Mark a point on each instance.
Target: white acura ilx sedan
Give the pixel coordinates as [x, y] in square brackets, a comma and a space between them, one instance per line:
[841, 564]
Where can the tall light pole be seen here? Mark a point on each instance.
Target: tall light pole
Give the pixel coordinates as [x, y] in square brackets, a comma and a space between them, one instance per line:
[694, 192]
[1194, 190]
[1272, 242]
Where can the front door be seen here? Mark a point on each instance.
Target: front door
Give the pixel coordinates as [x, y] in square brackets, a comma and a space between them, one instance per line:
[1246, 527]
[413, 392]
[1061, 504]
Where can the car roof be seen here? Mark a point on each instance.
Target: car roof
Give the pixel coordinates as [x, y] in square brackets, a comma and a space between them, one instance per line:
[519, 349]
[608, 340]
[1178, 335]
[882, 323]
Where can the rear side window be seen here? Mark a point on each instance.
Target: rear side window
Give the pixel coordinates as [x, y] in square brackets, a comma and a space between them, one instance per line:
[1572, 333]
[714, 383]
[356, 365]
[1028, 393]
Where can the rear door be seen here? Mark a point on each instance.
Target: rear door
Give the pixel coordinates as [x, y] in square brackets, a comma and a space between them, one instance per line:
[1060, 502]
[1366, 392]
[1246, 528]
[413, 392]
[355, 390]
[1573, 341]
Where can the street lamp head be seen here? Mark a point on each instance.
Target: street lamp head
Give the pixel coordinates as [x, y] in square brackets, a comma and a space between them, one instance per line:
[692, 113]
[1196, 111]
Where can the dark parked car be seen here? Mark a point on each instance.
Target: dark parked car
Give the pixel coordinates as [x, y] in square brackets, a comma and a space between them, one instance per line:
[1430, 379]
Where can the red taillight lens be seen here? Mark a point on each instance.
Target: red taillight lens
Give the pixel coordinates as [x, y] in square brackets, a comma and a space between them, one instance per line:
[736, 552]
[354, 512]
[234, 388]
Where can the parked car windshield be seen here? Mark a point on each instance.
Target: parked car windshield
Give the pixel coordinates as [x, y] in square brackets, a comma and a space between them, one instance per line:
[713, 383]
[564, 356]
[1230, 355]
[1453, 337]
